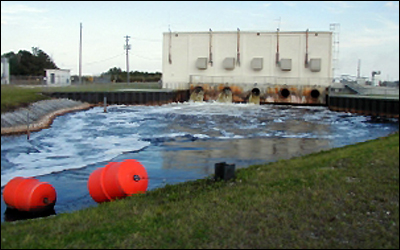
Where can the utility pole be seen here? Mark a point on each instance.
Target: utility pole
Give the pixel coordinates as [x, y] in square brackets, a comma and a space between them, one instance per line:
[80, 56]
[127, 47]
[335, 29]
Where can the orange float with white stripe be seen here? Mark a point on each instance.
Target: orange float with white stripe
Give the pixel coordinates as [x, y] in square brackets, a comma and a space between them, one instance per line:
[29, 194]
[117, 180]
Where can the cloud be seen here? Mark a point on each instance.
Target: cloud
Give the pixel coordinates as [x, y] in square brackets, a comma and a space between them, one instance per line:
[289, 3]
[392, 5]
[369, 41]
[340, 4]
[337, 7]
[18, 14]
[7, 19]
[388, 25]
[20, 8]
[367, 37]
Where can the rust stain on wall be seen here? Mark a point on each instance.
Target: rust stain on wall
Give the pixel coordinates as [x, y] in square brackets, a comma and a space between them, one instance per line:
[290, 94]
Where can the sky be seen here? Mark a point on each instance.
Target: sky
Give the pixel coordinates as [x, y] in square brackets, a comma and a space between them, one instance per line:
[367, 31]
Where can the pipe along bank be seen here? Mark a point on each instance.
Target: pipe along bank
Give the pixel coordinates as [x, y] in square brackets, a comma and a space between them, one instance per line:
[271, 94]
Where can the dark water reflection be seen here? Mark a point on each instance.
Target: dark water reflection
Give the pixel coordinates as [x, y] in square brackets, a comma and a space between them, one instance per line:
[242, 152]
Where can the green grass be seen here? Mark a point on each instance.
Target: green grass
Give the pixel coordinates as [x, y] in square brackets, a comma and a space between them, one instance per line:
[341, 198]
[103, 87]
[13, 97]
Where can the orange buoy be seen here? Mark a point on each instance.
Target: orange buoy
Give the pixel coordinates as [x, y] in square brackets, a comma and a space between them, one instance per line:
[117, 180]
[29, 194]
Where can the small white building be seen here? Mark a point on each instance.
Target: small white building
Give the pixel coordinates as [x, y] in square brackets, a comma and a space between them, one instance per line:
[5, 71]
[58, 76]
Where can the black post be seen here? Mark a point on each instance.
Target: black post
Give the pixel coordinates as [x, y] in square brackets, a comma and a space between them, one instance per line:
[224, 171]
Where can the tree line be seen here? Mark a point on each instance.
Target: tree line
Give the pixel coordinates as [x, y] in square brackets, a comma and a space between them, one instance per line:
[25, 63]
[118, 75]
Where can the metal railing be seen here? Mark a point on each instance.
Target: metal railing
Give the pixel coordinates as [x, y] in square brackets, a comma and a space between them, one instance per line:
[377, 91]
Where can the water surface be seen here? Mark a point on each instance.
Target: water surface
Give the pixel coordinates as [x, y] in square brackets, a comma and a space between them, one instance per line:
[175, 142]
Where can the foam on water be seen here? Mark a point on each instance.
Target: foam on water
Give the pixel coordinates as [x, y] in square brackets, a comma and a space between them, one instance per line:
[80, 139]
[73, 142]
[175, 142]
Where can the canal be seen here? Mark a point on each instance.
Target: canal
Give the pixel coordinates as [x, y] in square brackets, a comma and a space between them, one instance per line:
[175, 142]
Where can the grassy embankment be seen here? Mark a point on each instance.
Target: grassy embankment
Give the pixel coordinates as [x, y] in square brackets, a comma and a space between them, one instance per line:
[341, 198]
[103, 87]
[13, 97]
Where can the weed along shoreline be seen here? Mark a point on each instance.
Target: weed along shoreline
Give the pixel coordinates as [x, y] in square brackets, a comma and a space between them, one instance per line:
[341, 198]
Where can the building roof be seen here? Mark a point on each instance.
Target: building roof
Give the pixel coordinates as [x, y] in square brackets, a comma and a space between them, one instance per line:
[248, 32]
[58, 69]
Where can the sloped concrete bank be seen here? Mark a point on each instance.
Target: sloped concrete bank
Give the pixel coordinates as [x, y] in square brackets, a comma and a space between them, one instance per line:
[41, 115]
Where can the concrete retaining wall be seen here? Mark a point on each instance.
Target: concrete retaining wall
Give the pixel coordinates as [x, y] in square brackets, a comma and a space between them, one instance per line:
[38, 115]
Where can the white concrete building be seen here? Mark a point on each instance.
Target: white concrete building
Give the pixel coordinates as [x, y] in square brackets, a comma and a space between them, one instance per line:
[58, 76]
[244, 58]
[5, 71]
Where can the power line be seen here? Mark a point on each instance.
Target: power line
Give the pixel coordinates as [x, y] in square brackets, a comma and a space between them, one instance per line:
[147, 40]
[103, 60]
[146, 58]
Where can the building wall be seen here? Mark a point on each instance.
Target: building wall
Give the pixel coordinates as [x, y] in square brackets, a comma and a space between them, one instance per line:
[5, 71]
[61, 77]
[186, 47]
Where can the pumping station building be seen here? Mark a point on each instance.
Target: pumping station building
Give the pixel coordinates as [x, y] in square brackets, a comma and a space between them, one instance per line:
[261, 67]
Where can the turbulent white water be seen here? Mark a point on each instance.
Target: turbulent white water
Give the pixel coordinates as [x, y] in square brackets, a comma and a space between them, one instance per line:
[175, 142]
[74, 141]
[83, 138]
